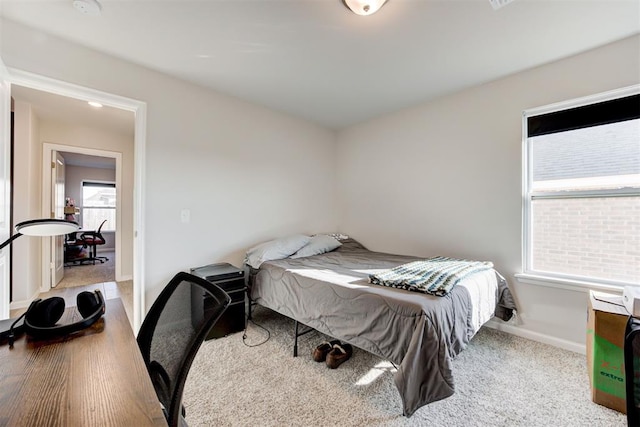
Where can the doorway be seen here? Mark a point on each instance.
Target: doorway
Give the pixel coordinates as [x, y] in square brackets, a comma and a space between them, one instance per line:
[90, 198]
[111, 170]
[28, 80]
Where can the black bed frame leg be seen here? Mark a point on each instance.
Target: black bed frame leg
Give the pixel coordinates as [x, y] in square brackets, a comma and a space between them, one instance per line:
[250, 305]
[297, 333]
[295, 342]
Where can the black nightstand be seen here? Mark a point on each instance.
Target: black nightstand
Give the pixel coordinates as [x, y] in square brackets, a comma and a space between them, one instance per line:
[231, 280]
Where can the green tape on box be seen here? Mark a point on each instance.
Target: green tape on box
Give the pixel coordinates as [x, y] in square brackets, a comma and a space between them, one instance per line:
[608, 369]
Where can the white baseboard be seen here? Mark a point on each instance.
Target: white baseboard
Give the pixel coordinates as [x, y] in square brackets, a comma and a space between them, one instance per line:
[16, 305]
[537, 336]
[124, 278]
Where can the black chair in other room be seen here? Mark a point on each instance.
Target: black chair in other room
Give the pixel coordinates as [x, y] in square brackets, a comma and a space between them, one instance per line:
[93, 239]
[172, 332]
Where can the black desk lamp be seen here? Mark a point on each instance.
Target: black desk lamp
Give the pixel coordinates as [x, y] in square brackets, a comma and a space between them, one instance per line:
[34, 227]
[42, 227]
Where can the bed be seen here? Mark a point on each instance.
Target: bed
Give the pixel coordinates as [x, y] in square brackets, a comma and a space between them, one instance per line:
[418, 333]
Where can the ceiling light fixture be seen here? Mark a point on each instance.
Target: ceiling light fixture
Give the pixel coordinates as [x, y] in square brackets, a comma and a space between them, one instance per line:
[88, 7]
[364, 7]
[95, 104]
[497, 4]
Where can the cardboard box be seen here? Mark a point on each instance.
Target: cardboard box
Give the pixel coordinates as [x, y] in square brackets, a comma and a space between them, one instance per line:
[606, 323]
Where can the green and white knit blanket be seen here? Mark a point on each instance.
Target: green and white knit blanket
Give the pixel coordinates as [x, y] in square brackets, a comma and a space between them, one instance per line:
[435, 276]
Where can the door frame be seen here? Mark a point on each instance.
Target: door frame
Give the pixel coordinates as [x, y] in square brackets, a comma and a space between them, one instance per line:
[139, 108]
[5, 188]
[47, 149]
[57, 211]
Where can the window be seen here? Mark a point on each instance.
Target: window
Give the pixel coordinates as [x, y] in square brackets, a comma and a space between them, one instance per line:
[98, 204]
[581, 220]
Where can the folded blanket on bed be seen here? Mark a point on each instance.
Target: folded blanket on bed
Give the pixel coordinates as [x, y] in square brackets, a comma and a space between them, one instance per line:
[435, 276]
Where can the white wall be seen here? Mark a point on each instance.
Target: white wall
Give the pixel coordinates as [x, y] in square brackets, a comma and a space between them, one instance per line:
[445, 177]
[31, 133]
[245, 172]
[74, 175]
[26, 201]
[441, 178]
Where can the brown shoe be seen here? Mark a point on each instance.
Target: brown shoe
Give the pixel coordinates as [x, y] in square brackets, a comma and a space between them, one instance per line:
[321, 351]
[340, 353]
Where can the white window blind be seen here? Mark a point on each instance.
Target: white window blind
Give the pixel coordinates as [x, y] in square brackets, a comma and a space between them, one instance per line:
[98, 204]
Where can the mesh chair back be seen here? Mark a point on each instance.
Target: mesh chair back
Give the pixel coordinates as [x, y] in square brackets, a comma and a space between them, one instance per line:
[172, 333]
[94, 237]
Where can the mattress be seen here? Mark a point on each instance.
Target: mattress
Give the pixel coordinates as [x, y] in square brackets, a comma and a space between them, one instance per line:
[419, 333]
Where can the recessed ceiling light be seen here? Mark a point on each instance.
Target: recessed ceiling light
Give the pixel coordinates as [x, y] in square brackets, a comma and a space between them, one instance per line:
[95, 104]
[88, 7]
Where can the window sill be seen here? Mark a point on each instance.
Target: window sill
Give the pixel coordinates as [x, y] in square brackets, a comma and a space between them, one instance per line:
[566, 284]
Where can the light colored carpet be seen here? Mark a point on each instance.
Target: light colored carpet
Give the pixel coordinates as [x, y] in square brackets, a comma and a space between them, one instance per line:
[100, 275]
[87, 274]
[501, 380]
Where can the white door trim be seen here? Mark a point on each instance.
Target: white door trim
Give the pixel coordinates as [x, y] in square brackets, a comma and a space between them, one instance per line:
[47, 149]
[57, 173]
[139, 108]
[5, 188]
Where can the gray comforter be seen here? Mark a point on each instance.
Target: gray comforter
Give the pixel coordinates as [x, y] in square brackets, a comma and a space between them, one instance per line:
[419, 333]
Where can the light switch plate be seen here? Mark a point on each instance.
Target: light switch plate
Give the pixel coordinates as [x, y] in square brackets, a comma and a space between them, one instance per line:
[185, 216]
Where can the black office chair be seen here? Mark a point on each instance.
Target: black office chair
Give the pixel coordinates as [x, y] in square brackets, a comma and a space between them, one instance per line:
[172, 332]
[631, 370]
[93, 239]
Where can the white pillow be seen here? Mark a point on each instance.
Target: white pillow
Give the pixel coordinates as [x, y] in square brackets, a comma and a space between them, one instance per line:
[319, 244]
[275, 249]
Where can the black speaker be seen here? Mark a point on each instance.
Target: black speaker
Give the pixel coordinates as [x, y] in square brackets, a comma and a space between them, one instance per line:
[41, 318]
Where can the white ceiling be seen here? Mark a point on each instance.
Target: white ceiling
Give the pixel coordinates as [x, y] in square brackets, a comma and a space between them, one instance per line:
[87, 161]
[316, 60]
[56, 108]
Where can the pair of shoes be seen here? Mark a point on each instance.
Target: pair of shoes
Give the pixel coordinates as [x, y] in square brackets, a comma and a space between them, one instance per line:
[340, 353]
[321, 351]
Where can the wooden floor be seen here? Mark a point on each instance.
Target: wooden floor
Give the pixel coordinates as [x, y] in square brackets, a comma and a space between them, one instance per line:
[109, 290]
